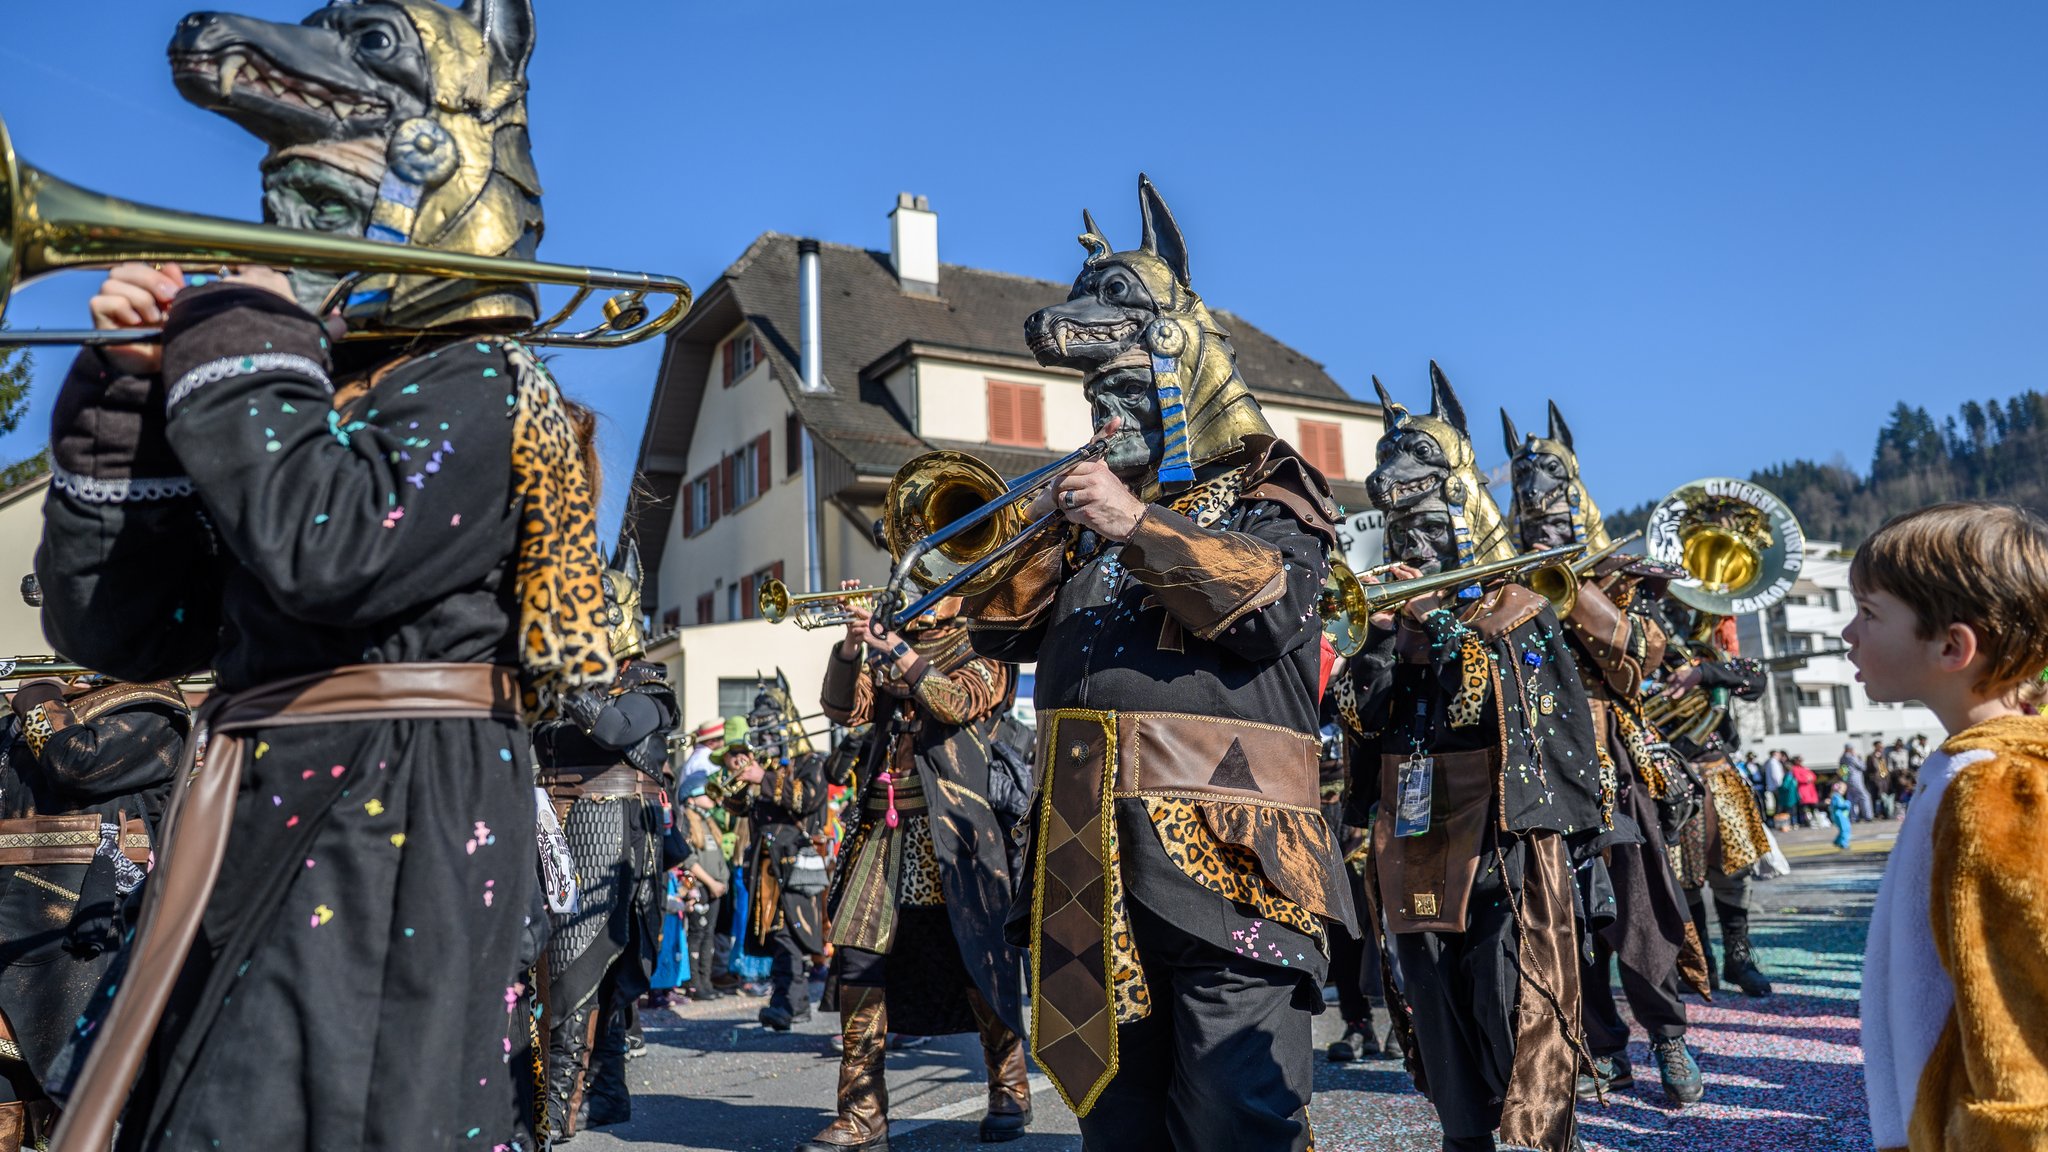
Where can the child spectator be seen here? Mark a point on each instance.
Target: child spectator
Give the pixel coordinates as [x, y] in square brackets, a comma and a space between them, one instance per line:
[1952, 611]
[1838, 811]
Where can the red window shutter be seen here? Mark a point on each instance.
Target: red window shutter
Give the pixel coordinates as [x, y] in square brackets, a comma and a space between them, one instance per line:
[761, 452]
[1002, 413]
[746, 598]
[1030, 415]
[690, 509]
[726, 470]
[725, 355]
[1322, 444]
[716, 504]
[775, 569]
[704, 608]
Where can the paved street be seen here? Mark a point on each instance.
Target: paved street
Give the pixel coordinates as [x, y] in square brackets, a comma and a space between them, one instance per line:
[1781, 1074]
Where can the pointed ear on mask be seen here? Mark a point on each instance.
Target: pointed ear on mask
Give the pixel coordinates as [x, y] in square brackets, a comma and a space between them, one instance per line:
[1559, 430]
[507, 26]
[1443, 403]
[1509, 436]
[1162, 236]
[1092, 239]
[627, 560]
[1386, 401]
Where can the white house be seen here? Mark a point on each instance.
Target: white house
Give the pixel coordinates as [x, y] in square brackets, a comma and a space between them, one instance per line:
[912, 355]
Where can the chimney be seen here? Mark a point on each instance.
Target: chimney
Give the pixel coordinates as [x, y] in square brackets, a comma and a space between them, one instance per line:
[810, 336]
[914, 244]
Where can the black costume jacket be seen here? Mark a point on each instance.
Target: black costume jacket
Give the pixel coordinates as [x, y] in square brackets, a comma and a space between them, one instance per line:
[1481, 905]
[1722, 828]
[601, 763]
[947, 848]
[785, 809]
[1197, 644]
[378, 877]
[103, 757]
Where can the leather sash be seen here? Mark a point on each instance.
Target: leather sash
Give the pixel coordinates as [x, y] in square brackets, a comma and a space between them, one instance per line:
[66, 839]
[195, 836]
[615, 780]
[1087, 761]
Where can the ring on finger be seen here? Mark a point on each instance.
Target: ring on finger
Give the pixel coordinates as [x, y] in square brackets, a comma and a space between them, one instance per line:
[1067, 499]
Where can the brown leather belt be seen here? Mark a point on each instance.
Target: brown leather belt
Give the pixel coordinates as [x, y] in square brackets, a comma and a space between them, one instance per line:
[195, 835]
[67, 839]
[616, 780]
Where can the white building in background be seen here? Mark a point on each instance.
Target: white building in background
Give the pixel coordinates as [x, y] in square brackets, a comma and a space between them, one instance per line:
[914, 355]
[21, 529]
[1813, 710]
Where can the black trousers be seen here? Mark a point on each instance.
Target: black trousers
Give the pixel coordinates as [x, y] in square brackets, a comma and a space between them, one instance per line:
[1223, 1062]
[1355, 964]
[789, 968]
[1461, 990]
[698, 936]
[1653, 999]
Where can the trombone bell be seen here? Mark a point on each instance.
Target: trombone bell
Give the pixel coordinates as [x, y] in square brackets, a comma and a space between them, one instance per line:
[1720, 559]
[49, 225]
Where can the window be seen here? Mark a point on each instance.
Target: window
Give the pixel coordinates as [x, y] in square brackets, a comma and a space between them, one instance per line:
[706, 607]
[672, 620]
[732, 602]
[701, 502]
[1812, 698]
[792, 445]
[740, 354]
[1016, 414]
[1322, 444]
[746, 473]
[736, 695]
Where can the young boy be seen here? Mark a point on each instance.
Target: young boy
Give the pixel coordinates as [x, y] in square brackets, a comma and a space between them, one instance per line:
[1952, 611]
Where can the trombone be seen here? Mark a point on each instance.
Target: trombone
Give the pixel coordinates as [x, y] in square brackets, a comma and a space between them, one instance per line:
[50, 225]
[30, 667]
[1559, 583]
[952, 523]
[1348, 604]
[813, 609]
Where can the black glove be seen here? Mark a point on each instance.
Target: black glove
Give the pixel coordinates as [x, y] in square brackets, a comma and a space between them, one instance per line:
[582, 707]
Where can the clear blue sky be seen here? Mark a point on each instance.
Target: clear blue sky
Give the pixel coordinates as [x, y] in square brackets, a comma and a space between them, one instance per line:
[1719, 235]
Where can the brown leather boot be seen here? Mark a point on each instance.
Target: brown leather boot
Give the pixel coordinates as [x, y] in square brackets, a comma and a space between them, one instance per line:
[863, 1121]
[1009, 1096]
[13, 1126]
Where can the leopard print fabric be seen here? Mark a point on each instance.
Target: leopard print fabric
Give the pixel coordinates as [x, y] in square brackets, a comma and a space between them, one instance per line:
[1206, 502]
[564, 637]
[1474, 674]
[1649, 766]
[919, 886]
[1130, 996]
[1226, 869]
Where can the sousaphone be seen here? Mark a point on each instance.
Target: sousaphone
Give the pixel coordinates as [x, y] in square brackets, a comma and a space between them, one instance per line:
[1740, 545]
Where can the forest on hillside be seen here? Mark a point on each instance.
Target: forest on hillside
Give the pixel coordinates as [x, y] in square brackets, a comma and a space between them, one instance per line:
[1990, 450]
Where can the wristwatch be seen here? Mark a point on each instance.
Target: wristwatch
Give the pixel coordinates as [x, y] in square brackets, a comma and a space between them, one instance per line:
[901, 649]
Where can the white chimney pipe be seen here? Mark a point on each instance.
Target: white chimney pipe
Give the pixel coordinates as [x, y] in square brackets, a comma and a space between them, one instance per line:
[811, 336]
[914, 244]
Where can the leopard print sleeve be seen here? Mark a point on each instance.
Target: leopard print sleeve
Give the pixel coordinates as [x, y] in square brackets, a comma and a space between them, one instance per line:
[965, 694]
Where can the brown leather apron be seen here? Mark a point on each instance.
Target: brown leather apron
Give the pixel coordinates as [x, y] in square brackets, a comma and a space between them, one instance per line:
[195, 837]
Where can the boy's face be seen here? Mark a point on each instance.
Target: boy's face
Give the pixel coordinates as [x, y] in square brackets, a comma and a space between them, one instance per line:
[1891, 659]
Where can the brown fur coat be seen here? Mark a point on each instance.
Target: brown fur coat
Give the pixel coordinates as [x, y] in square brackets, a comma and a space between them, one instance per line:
[1985, 1088]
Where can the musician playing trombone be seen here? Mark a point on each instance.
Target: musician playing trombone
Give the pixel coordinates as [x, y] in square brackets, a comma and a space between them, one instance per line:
[387, 550]
[923, 885]
[1181, 878]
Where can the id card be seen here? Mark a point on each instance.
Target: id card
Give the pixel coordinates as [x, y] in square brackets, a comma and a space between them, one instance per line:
[1414, 787]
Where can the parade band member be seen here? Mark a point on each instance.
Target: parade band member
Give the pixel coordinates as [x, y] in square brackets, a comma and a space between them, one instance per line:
[85, 769]
[923, 884]
[1617, 647]
[601, 763]
[1477, 763]
[1354, 960]
[1181, 875]
[387, 551]
[785, 801]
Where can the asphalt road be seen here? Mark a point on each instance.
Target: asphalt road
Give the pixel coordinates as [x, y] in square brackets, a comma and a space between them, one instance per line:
[1782, 1073]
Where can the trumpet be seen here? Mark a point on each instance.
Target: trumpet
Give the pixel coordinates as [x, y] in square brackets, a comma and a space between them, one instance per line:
[1559, 583]
[1348, 604]
[49, 225]
[813, 609]
[954, 525]
[29, 667]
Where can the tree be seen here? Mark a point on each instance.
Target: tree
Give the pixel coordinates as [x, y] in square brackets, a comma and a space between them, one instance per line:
[15, 367]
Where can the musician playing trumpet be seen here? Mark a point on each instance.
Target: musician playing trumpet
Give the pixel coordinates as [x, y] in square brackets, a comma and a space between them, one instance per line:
[923, 883]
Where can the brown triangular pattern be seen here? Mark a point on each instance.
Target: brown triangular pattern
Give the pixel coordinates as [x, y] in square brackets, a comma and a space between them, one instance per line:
[1234, 771]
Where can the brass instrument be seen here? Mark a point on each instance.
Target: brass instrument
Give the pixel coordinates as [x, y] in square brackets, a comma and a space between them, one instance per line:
[1348, 604]
[1559, 583]
[952, 521]
[724, 785]
[813, 609]
[30, 667]
[48, 225]
[1741, 547]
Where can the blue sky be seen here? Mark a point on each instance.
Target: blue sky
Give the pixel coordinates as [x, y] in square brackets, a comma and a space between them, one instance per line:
[1718, 235]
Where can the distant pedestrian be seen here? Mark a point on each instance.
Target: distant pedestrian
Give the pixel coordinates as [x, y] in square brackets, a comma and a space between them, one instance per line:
[1878, 780]
[1838, 811]
[1774, 783]
[1808, 791]
[1859, 791]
